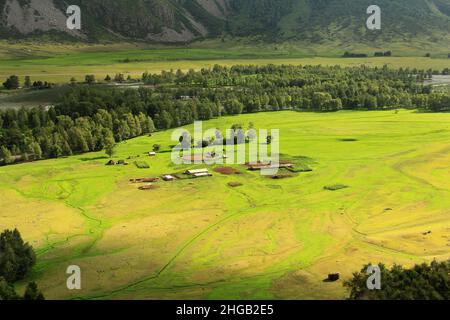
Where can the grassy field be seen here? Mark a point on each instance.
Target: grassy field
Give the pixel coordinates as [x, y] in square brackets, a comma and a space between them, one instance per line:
[265, 239]
[59, 63]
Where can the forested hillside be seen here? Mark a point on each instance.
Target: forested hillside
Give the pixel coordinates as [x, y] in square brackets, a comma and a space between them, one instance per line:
[318, 20]
[181, 21]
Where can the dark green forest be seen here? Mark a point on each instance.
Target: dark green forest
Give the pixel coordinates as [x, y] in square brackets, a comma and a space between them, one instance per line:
[16, 260]
[422, 282]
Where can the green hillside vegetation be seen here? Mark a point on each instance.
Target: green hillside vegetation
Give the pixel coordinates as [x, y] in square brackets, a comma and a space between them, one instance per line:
[136, 19]
[126, 19]
[340, 22]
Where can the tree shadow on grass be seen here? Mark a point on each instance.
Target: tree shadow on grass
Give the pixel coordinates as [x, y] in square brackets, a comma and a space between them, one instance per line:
[329, 280]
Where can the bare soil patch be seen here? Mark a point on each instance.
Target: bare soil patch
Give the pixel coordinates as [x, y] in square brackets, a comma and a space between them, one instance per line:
[227, 170]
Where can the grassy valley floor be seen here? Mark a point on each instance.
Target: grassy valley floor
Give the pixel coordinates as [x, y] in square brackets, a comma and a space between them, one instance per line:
[59, 63]
[268, 238]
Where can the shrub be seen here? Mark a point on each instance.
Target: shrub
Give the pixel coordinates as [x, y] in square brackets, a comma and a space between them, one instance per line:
[300, 167]
[235, 184]
[89, 79]
[142, 165]
[156, 147]
[335, 187]
[32, 292]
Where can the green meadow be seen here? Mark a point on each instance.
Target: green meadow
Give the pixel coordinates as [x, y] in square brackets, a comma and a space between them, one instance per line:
[59, 63]
[202, 239]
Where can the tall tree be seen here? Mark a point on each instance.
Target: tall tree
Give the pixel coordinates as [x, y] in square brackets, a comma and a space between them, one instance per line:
[89, 78]
[5, 155]
[12, 83]
[32, 292]
[110, 145]
[27, 82]
[7, 291]
[16, 256]
[421, 282]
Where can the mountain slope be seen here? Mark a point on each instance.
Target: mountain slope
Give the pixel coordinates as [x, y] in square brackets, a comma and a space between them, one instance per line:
[154, 20]
[316, 20]
[272, 20]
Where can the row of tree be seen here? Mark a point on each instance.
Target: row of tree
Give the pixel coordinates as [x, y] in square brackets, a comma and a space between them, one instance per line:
[91, 118]
[365, 55]
[13, 83]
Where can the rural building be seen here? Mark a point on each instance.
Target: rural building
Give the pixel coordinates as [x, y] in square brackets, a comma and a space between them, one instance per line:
[152, 154]
[168, 177]
[198, 171]
[201, 175]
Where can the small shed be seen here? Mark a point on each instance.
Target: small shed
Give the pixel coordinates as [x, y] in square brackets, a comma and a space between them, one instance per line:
[202, 175]
[168, 177]
[197, 171]
[152, 154]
